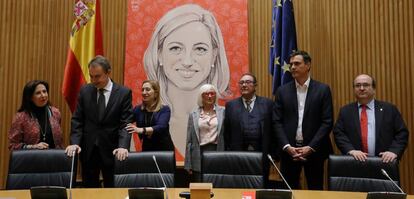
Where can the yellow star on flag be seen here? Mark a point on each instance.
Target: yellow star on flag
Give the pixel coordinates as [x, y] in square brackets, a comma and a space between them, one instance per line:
[279, 3]
[276, 62]
[285, 67]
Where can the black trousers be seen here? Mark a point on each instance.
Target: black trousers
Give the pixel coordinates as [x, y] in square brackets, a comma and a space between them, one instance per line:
[314, 170]
[91, 168]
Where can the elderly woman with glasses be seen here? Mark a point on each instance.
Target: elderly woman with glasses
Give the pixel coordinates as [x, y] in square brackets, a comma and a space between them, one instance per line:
[204, 130]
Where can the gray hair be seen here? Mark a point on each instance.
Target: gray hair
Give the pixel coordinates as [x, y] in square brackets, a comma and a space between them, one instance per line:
[102, 61]
[204, 88]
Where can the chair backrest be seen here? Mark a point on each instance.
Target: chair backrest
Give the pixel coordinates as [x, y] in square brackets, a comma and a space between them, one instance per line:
[28, 168]
[347, 174]
[233, 169]
[139, 170]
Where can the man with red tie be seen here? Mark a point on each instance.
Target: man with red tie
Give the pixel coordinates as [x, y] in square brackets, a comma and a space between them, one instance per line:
[369, 127]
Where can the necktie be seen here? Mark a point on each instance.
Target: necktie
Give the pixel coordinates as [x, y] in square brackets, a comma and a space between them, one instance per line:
[248, 108]
[364, 128]
[101, 104]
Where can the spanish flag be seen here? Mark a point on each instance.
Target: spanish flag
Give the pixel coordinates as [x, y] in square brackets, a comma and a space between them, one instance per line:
[85, 43]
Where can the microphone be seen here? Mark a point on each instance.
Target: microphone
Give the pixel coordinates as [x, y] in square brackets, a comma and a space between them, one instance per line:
[280, 173]
[71, 174]
[389, 178]
[159, 172]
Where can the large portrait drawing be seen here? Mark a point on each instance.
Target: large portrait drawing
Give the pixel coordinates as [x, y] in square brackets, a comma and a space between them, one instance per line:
[185, 49]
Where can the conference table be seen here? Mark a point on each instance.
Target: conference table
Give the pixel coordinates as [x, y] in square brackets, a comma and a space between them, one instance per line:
[173, 193]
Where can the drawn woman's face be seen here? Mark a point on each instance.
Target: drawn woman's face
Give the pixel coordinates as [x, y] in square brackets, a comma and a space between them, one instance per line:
[187, 55]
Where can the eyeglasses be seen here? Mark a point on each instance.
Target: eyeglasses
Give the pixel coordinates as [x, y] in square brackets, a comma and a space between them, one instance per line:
[209, 94]
[363, 85]
[241, 82]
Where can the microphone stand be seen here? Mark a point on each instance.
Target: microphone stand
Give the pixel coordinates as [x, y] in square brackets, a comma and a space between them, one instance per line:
[162, 178]
[280, 173]
[71, 174]
[386, 175]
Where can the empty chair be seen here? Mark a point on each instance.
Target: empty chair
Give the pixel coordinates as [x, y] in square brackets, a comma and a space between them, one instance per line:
[28, 168]
[139, 170]
[347, 174]
[232, 169]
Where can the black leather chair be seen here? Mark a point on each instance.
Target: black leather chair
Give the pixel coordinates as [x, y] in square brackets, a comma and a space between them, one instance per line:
[28, 168]
[233, 169]
[139, 170]
[347, 174]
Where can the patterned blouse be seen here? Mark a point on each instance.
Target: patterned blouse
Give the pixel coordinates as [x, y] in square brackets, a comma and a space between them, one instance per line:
[25, 130]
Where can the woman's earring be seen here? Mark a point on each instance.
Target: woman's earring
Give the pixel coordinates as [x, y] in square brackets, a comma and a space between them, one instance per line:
[212, 65]
[160, 64]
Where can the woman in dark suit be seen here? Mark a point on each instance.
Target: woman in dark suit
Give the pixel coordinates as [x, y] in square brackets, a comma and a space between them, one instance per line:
[204, 130]
[36, 124]
[152, 120]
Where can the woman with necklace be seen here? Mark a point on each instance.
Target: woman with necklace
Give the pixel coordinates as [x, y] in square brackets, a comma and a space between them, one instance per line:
[36, 124]
[205, 130]
[152, 120]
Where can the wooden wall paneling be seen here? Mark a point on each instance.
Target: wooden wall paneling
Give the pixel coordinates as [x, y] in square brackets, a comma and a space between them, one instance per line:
[344, 38]
[35, 40]
[260, 21]
[364, 37]
[114, 29]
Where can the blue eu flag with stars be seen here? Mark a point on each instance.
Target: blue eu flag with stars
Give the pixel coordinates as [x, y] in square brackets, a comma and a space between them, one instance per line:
[283, 42]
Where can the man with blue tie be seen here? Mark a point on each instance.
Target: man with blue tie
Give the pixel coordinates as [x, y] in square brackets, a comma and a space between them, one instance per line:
[369, 127]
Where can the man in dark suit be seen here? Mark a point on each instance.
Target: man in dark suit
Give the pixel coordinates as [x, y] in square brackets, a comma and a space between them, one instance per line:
[248, 122]
[303, 121]
[370, 127]
[98, 124]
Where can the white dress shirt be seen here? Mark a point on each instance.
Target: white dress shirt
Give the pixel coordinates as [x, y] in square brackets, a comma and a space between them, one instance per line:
[251, 102]
[301, 92]
[107, 92]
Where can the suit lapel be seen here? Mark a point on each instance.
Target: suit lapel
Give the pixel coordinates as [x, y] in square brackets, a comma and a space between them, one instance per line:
[257, 105]
[195, 116]
[357, 123]
[309, 98]
[379, 114]
[115, 89]
[219, 119]
[94, 101]
[293, 97]
[238, 113]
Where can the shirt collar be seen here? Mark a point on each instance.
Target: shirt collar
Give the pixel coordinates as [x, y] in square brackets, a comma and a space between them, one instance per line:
[109, 86]
[305, 85]
[251, 100]
[370, 104]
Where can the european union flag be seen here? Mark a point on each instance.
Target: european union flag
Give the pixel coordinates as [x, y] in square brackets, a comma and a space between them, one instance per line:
[283, 42]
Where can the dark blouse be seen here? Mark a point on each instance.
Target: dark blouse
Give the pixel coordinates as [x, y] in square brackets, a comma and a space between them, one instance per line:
[45, 135]
[159, 121]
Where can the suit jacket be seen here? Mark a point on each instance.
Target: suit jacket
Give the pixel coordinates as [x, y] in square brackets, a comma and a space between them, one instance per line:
[317, 117]
[25, 129]
[161, 138]
[192, 150]
[233, 135]
[391, 134]
[109, 133]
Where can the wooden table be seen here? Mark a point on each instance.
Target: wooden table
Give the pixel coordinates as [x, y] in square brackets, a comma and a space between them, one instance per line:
[121, 193]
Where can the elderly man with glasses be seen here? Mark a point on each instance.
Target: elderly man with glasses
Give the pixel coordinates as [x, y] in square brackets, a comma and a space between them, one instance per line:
[369, 127]
[248, 122]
